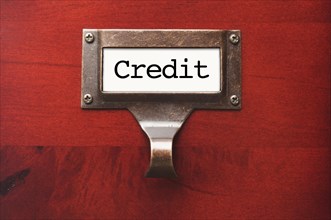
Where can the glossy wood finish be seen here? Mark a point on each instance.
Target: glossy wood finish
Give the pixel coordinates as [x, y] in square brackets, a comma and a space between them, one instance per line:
[271, 160]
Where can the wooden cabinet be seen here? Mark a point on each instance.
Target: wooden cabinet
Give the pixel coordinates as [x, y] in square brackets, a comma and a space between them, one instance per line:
[271, 160]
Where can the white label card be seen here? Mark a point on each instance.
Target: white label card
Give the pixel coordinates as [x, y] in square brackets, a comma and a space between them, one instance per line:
[161, 70]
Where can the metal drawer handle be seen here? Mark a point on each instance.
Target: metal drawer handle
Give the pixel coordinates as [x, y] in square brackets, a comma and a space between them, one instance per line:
[161, 136]
[161, 122]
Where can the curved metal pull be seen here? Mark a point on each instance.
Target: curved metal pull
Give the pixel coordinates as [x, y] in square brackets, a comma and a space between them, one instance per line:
[161, 123]
[161, 134]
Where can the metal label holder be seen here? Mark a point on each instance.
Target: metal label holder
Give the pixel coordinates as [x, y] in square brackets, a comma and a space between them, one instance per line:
[161, 114]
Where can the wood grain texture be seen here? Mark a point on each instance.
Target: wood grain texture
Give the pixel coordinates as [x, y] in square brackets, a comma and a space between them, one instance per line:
[271, 160]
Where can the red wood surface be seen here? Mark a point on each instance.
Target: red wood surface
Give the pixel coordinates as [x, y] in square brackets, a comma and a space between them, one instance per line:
[271, 160]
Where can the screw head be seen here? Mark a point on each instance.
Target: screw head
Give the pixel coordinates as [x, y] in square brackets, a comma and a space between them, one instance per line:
[88, 99]
[234, 39]
[234, 100]
[89, 37]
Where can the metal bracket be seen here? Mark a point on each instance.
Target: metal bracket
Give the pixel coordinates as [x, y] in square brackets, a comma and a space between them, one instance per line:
[161, 114]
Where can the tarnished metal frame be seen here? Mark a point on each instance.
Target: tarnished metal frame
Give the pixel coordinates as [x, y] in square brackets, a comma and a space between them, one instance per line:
[92, 66]
[161, 115]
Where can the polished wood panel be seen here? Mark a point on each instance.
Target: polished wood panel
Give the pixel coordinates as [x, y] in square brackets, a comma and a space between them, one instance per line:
[271, 160]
